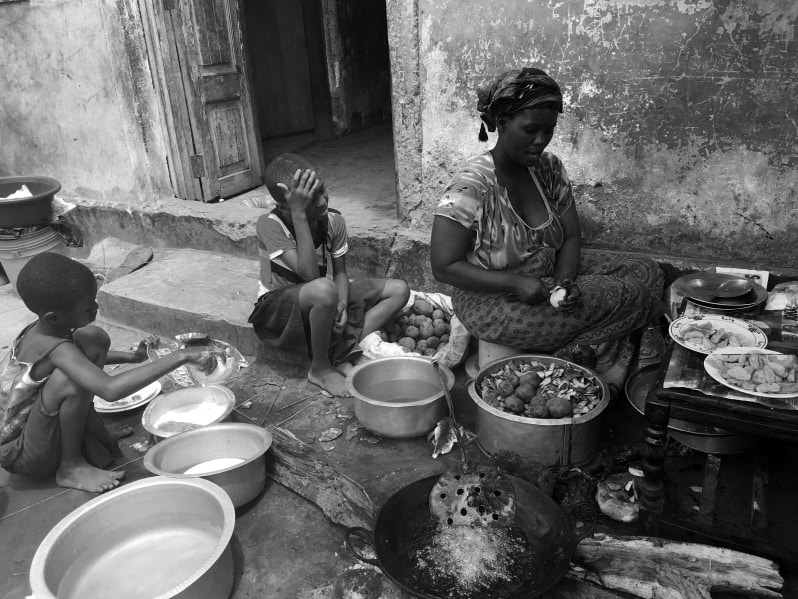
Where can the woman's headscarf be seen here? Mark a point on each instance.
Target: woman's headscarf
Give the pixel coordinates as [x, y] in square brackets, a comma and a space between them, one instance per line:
[513, 91]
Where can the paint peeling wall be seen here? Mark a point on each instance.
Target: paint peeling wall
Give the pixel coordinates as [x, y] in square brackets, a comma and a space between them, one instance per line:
[78, 102]
[357, 56]
[681, 126]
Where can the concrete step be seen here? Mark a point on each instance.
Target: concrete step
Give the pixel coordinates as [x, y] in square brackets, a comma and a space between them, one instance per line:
[188, 291]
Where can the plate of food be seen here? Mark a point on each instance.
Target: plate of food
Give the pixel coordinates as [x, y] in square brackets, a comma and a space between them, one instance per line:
[134, 400]
[708, 332]
[756, 371]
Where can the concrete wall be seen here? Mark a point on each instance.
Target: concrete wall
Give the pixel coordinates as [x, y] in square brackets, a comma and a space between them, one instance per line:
[78, 102]
[680, 124]
[357, 56]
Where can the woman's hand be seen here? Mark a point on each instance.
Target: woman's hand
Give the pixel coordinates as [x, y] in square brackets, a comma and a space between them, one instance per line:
[530, 290]
[302, 193]
[573, 293]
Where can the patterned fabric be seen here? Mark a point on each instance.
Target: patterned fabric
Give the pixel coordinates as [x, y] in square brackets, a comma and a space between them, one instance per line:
[275, 238]
[17, 393]
[475, 199]
[619, 294]
[516, 90]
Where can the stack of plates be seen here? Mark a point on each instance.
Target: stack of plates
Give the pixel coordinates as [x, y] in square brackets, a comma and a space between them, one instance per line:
[699, 288]
[135, 400]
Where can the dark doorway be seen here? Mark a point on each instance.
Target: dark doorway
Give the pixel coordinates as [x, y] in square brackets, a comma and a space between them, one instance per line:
[285, 46]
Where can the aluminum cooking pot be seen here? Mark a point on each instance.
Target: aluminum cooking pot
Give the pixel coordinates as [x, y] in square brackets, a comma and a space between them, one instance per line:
[544, 522]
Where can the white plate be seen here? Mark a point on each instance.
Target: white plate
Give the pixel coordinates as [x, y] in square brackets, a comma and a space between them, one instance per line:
[715, 373]
[132, 401]
[751, 335]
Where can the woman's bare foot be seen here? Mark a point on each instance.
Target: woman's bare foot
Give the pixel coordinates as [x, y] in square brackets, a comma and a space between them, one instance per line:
[86, 477]
[330, 380]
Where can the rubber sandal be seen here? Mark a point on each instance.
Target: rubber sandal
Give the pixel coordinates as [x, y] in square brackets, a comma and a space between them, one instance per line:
[136, 258]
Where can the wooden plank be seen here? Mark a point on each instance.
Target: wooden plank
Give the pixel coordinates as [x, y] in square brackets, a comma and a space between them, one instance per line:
[653, 568]
[298, 467]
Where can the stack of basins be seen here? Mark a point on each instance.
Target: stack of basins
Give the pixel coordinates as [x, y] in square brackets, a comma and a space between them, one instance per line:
[25, 219]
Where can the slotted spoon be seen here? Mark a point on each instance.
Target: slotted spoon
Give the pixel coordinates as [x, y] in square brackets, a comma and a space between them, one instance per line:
[477, 496]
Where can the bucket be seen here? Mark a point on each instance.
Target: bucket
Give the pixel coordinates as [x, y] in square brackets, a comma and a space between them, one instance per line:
[16, 251]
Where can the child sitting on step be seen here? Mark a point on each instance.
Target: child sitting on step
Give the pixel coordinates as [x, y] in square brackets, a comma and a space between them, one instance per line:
[299, 306]
[47, 419]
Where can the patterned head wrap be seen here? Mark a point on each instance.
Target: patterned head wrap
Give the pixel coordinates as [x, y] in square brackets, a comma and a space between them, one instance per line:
[513, 91]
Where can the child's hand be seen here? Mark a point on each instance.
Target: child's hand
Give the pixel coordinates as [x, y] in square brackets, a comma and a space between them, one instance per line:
[302, 194]
[340, 318]
[140, 351]
[206, 358]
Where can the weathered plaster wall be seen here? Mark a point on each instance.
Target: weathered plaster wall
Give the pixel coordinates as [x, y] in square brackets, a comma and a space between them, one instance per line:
[78, 102]
[357, 56]
[680, 124]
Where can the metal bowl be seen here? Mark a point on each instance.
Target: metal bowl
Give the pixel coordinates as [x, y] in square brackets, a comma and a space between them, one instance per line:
[399, 397]
[187, 409]
[224, 442]
[550, 441]
[703, 438]
[158, 538]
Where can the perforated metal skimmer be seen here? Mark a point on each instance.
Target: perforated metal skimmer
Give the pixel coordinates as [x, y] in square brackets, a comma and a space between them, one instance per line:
[477, 496]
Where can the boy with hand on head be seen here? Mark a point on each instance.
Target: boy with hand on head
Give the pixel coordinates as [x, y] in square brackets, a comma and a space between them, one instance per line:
[298, 306]
[48, 422]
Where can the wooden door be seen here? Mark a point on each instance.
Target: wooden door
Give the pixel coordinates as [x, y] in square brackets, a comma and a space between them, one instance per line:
[203, 80]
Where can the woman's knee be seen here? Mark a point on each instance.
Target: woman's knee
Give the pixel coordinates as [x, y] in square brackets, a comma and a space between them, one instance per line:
[319, 292]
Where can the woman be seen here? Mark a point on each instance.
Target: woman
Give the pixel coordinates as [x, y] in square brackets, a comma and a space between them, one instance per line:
[506, 235]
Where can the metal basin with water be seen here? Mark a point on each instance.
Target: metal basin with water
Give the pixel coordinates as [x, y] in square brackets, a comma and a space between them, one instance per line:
[399, 397]
[158, 538]
[187, 409]
[233, 456]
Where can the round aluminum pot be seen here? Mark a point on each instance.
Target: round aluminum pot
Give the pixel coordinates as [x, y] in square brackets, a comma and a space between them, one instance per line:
[399, 397]
[159, 538]
[550, 441]
[228, 441]
[182, 402]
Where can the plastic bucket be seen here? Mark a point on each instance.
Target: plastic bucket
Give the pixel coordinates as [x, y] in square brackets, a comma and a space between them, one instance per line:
[16, 251]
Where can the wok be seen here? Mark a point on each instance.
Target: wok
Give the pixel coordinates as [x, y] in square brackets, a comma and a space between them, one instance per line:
[546, 524]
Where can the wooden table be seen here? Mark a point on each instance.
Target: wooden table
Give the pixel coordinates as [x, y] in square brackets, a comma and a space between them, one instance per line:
[710, 407]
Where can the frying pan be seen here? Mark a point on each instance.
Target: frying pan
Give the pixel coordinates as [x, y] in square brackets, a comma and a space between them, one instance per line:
[545, 523]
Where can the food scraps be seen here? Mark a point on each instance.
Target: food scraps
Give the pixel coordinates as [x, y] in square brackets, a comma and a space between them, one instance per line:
[763, 373]
[536, 389]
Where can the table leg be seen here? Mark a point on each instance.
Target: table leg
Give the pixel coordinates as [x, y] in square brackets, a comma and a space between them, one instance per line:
[652, 490]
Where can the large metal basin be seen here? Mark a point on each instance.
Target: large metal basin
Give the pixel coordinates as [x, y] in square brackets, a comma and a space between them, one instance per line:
[550, 441]
[247, 442]
[158, 538]
[187, 404]
[398, 397]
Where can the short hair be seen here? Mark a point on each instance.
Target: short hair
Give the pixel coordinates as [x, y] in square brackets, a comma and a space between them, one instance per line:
[50, 282]
[281, 170]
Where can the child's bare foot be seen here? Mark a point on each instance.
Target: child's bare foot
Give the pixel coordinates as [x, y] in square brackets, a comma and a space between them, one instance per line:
[86, 477]
[330, 380]
[344, 367]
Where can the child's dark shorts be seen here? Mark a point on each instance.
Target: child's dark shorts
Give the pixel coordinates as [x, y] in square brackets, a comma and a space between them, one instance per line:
[39, 445]
[278, 320]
